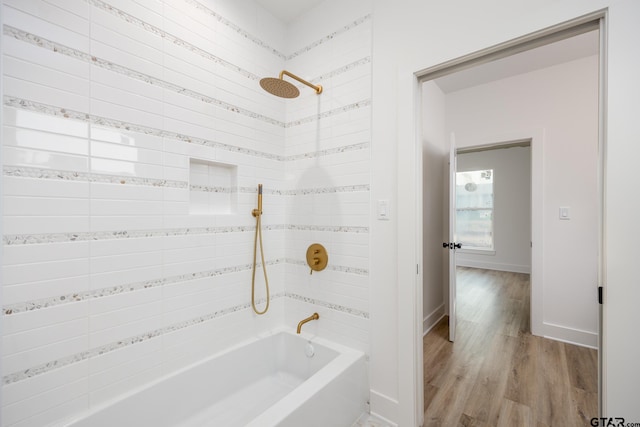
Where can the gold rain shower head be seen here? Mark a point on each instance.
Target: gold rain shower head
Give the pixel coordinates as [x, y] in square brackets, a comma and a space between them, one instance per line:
[283, 89]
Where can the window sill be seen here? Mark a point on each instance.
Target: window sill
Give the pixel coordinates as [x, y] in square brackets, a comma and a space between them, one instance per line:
[489, 252]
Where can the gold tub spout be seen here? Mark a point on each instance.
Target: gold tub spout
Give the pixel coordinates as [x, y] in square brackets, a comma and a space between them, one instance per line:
[314, 316]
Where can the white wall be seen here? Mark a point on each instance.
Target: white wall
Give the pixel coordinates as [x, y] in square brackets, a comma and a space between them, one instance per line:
[413, 35]
[434, 204]
[562, 100]
[511, 211]
[108, 281]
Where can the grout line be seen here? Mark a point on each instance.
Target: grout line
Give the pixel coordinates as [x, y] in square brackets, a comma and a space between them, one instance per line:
[41, 173]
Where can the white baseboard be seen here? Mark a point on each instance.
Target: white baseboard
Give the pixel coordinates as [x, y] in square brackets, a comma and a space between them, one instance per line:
[570, 335]
[383, 407]
[514, 268]
[431, 319]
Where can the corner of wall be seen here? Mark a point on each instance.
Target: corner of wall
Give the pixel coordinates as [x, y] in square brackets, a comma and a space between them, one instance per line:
[431, 319]
[384, 407]
[1, 191]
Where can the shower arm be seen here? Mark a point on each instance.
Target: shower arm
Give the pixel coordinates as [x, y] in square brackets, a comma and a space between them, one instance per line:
[317, 88]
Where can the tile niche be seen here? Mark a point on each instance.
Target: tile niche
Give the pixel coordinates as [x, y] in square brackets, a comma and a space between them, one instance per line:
[212, 188]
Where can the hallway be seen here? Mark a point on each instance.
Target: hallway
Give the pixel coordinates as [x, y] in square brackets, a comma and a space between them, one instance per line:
[497, 373]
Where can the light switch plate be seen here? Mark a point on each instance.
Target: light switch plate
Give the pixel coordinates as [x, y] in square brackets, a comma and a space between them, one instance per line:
[565, 213]
[383, 210]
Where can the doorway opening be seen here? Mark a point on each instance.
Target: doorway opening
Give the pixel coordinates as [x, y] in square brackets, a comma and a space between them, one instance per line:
[540, 138]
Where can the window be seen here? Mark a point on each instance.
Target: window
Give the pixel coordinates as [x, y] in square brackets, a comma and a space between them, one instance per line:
[474, 209]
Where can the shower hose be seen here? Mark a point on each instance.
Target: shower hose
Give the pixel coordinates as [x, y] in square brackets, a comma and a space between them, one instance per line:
[264, 267]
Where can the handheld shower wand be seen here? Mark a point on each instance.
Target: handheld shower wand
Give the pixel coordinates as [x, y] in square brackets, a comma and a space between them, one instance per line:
[257, 213]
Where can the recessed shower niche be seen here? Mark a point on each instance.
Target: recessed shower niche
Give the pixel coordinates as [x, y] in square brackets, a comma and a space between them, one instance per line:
[212, 188]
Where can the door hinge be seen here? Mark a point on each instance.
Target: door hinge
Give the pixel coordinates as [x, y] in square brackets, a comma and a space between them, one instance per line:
[417, 271]
[599, 294]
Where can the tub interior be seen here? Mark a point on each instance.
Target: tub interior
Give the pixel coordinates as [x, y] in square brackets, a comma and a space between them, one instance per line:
[287, 367]
[230, 389]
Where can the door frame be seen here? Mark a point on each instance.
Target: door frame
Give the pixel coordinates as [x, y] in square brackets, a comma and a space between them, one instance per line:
[410, 356]
[535, 137]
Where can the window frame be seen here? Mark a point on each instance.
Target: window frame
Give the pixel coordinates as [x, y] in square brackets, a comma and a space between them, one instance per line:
[477, 249]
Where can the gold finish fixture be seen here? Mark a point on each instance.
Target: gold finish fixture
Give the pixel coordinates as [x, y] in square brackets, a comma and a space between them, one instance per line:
[317, 257]
[257, 213]
[283, 89]
[314, 316]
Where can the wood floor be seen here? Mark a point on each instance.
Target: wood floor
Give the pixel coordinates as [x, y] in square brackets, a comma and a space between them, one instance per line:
[498, 374]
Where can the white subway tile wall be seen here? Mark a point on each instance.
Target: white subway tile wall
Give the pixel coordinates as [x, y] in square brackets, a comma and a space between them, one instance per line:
[122, 261]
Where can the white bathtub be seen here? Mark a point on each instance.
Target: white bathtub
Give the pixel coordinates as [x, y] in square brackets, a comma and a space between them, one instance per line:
[264, 382]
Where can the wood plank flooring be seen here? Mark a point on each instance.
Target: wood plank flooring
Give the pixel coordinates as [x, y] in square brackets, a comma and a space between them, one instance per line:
[497, 373]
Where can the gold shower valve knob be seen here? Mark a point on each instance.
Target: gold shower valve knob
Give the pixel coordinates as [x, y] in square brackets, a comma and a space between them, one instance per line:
[317, 257]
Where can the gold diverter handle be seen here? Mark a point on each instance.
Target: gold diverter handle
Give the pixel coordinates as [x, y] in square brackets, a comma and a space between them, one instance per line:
[317, 257]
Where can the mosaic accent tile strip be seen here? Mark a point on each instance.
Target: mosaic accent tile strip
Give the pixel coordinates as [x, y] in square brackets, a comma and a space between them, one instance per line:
[328, 152]
[330, 37]
[330, 228]
[209, 189]
[27, 172]
[97, 351]
[307, 191]
[42, 303]
[108, 65]
[337, 307]
[170, 37]
[31, 239]
[130, 287]
[266, 190]
[24, 104]
[328, 190]
[344, 69]
[27, 239]
[310, 119]
[236, 28]
[52, 110]
[264, 45]
[340, 268]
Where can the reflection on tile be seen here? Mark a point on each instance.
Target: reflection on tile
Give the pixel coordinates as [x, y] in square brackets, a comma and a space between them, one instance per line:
[27, 172]
[25, 104]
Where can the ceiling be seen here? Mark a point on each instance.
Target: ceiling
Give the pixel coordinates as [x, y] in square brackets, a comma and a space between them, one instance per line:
[288, 10]
[545, 56]
[549, 55]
